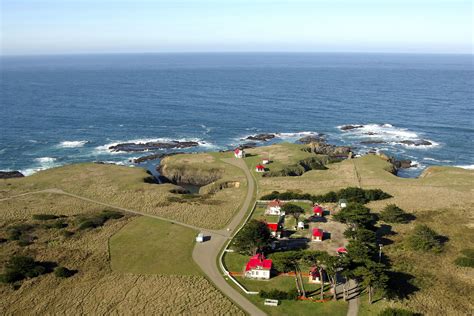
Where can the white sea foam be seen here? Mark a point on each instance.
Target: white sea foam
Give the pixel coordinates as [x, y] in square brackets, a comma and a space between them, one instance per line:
[72, 143]
[436, 160]
[395, 136]
[468, 167]
[45, 159]
[296, 134]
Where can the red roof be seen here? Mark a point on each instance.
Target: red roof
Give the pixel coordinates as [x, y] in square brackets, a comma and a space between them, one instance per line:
[237, 150]
[258, 262]
[318, 210]
[272, 226]
[317, 232]
[275, 203]
[341, 250]
[314, 272]
[260, 167]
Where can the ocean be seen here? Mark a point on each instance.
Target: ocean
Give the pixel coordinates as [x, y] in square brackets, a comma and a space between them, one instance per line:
[57, 110]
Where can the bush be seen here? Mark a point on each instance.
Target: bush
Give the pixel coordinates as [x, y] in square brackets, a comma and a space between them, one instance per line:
[67, 233]
[393, 214]
[21, 267]
[62, 272]
[44, 217]
[99, 219]
[17, 231]
[467, 260]
[396, 312]
[56, 225]
[423, 238]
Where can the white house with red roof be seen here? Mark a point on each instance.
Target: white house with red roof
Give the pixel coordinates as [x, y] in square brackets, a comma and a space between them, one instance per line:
[274, 208]
[259, 168]
[317, 234]
[258, 267]
[318, 211]
[275, 229]
[314, 275]
[239, 153]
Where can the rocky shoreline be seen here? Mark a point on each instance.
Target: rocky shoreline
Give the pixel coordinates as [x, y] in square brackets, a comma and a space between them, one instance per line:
[148, 146]
[11, 174]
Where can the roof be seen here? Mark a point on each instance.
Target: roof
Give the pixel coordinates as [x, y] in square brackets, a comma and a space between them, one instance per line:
[237, 150]
[317, 209]
[260, 167]
[258, 262]
[341, 250]
[317, 232]
[314, 272]
[272, 226]
[275, 203]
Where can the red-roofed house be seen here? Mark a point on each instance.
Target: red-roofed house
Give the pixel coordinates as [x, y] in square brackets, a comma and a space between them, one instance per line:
[317, 234]
[275, 229]
[318, 211]
[260, 168]
[314, 275]
[274, 208]
[239, 153]
[258, 267]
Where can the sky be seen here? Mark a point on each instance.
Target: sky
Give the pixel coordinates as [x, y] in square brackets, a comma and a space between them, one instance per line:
[31, 27]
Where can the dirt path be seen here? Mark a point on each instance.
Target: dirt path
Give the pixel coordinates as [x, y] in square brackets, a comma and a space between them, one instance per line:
[353, 309]
[206, 254]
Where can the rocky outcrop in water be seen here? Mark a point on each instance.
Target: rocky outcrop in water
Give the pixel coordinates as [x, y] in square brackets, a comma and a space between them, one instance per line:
[350, 127]
[261, 137]
[11, 174]
[135, 147]
[420, 142]
[312, 139]
[323, 148]
[152, 157]
[371, 142]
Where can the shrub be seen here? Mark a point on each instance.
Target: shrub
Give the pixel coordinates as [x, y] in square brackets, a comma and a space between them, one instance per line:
[62, 272]
[280, 295]
[393, 214]
[423, 238]
[57, 225]
[17, 231]
[467, 260]
[44, 217]
[396, 312]
[21, 267]
[99, 219]
[67, 233]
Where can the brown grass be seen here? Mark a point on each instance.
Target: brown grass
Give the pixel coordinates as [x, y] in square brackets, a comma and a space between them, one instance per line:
[95, 289]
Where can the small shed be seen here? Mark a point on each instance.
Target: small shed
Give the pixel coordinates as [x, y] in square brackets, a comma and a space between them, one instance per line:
[239, 153]
[318, 211]
[265, 161]
[314, 275]
[259, 168]
[300, 225]
[200, 237]
[317, 234]
[275, 229]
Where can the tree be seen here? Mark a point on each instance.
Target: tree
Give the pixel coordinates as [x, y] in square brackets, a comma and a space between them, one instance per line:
[423, 238]
[332, 265]
[372, 276]
[293, 209]
[355, 215]
[285, 261]
[316, 258]
[359, 251]
[254, 236]
[393, 214]
[361, 234]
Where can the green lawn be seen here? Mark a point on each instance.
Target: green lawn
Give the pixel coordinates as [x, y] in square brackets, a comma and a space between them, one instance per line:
[150, 246]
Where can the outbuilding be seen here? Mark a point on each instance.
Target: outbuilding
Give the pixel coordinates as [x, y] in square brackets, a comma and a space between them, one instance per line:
[239, 153]
[317, 234]
[274, 208]
[318, 211]
[314, 275]
[275, 229]
[259, 168]
[342, 203]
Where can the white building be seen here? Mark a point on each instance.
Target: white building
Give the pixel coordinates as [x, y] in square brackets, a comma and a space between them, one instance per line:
[274, 208]
[258, 267]
[239, 153]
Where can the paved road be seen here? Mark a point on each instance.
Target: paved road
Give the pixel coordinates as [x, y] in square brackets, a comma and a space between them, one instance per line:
[353, 309]
[206, 254]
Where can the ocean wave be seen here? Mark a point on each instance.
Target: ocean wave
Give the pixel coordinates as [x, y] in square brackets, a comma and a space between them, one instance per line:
[436, 160]
[468, 167]
[45, 159]
[296, 134]
[72, 143]
[376, 134]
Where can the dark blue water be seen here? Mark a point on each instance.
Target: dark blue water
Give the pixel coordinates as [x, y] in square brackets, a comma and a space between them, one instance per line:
[64, 109]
